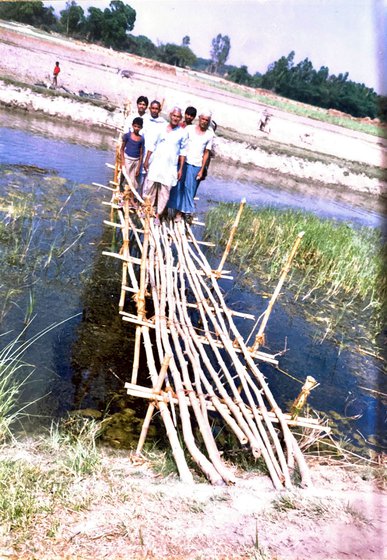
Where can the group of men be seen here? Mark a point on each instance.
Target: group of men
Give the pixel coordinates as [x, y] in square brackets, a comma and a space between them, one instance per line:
[166, 160]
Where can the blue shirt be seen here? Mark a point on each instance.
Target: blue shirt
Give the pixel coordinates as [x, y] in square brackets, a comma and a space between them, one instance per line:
[132, 147]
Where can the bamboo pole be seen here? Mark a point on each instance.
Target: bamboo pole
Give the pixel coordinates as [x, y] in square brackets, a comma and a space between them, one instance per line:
[196, 396]
[223, 329]
[125, 251]
[151, 407]
[256, 430]
[141, 313]
[205, 465]
[231, 237]
[178, 454]
[259, 339]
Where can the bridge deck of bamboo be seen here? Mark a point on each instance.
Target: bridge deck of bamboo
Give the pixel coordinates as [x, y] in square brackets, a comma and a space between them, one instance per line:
[198, 364]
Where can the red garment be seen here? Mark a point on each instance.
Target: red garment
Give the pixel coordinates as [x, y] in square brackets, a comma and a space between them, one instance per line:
[56, 70]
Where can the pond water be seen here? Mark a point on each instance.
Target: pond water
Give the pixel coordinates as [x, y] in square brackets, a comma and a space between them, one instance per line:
[47, 170]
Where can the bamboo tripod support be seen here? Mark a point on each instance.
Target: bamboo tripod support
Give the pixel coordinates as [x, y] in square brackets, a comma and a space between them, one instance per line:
[196, 359]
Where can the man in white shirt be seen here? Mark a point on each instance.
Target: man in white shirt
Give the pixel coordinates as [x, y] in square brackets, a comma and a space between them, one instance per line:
[140, 111]
[152, 124]
[164, 162]
[199, 145]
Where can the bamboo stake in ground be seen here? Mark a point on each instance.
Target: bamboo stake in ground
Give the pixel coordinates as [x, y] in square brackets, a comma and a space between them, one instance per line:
[151, 407]
[260, 338]
[300, 401]
[231, 237]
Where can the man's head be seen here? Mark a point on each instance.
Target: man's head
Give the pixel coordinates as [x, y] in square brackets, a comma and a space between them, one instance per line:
[142, 104]
[175, 117]
[155, 109]
[204, 119]
[137, 124]
[189, 115]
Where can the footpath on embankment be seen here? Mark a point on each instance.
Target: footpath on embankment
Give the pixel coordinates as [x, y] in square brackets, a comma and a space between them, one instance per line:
[298, 152]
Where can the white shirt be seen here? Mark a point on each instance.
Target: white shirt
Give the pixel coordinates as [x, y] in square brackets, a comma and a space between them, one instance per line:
[167, 147]
[197, 144]
[129, 120]
[151, 129]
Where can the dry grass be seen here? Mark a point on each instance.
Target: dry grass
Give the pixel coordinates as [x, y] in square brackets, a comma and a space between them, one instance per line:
[123, 508]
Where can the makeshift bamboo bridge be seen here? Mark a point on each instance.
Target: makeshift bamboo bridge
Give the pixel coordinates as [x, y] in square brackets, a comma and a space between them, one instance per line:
[198, 363]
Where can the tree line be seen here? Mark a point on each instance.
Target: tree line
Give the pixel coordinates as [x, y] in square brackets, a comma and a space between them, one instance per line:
[112, 27]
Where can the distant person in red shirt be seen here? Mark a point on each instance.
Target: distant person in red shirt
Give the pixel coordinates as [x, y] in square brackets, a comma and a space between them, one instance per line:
[189, 117]
[55, 75]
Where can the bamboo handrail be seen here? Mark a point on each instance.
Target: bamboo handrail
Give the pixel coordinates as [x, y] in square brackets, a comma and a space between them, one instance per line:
[231, 237]
[259, 339]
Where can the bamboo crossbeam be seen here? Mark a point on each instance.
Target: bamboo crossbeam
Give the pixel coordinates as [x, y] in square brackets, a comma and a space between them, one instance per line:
[137, 321]
[165, 396]
[136, 260]
[235, 313]
[262, 356]
[113, 224]
[112, 204]
[133, 260]
[103, 187]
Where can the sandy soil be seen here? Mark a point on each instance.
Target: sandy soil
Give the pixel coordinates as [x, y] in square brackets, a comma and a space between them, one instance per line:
[126, 510]
[130, 512]
[29, 56]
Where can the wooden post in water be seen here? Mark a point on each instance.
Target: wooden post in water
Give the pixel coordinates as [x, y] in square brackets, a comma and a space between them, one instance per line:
[300, 401]
[218, 271]
[260, 338]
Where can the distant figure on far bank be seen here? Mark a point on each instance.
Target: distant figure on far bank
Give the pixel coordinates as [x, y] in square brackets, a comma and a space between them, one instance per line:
[263, 123]
[55, 75]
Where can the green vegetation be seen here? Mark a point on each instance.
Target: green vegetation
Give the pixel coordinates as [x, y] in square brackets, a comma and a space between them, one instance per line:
[303, 83]
[31, 492]
[335, 264]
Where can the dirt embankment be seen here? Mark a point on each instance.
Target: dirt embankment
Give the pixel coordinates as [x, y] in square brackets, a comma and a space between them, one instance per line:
[295, 150]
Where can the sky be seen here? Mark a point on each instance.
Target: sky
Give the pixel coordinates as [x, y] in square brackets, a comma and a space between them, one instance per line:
[344, 35]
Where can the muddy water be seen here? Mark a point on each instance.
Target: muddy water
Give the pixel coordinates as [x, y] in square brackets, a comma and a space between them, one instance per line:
[84, 361]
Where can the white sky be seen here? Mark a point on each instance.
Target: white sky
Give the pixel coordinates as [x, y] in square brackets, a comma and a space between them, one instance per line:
[344, 35]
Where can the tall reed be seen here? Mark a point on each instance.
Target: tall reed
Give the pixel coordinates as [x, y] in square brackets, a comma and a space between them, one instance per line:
[14, 374]
[334, 259]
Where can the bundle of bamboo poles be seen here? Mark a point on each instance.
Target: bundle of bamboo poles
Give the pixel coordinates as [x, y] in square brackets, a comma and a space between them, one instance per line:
[198, 363]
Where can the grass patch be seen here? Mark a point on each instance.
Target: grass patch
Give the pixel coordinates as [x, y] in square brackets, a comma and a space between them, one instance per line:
[29, 492]
[336, 264]
[77, 436]
[302, 109]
